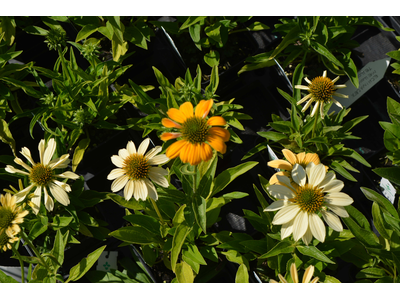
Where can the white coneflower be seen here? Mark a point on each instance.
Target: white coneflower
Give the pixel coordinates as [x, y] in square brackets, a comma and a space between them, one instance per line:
[43, 178]
[295, 277]
[321, 89]
[313, 191]
[135, 169]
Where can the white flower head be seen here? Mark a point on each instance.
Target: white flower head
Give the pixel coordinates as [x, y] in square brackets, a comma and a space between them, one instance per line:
[313, 192]
[136, 168]
[42, 177]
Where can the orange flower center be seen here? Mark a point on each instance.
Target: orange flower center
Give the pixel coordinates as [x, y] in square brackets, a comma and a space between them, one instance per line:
[322, 89]
[309, 198]
[136, 167]
[41, 175]
[195, 130]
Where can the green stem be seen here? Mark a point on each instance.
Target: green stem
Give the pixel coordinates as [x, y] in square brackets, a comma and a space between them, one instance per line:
[315, 125]
[21, 262]
[158, 212]
[38, 255]
[194, 180]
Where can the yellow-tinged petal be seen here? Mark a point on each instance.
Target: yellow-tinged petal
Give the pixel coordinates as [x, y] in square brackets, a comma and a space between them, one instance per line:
[274, 178]
[166, 136]
[187, 110]
[203, 108]
[311, 157]
[174, 150]
[217, 143]
[176, 115]
[216, 121]
[170, 124]
[205, 152]
[185, 152]
[290, 156]
[280, 164]
[220, 132]
[195, 157]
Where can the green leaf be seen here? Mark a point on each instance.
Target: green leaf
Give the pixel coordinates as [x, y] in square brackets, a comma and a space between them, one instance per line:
[190, 21]
[242, 274]
[147, 222]
[79, 152]
[184, 273]
[135, 205]
[379, 199]
[390, 173]
[199, 209]
[281, 247]
[6, 136]
[37, 229]
[135, 235]
[314, 252]
[342, 171]
[86, 31]
[325, 52]
[272, 135]
[4, 278]
[230, 174]
[379, 221]
[366, 237]
[84, 265]
[212, 58]
[371, 273]
[177, 242]
[194, 254]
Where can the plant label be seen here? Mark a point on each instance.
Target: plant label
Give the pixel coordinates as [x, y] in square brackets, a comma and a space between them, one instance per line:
[107, 261]
[368, 76]
[388, 189]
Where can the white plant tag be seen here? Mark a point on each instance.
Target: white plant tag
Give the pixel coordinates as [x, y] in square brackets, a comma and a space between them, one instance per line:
[368, 76]
[388, 189]
[271, 154]
[107, 261]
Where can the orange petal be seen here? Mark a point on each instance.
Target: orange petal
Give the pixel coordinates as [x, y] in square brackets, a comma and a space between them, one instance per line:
[166, 136]
[176, 115]
[205, 152]
[312, 157]
[186, 152]
[274, 178]
[220, 132]
[187, 109]
[280, 164]
[300, 157]
[203, 108]
[195, 158]
[174, 150]
[169, 123]
[217, 143]
[290, 156]
[216, 121]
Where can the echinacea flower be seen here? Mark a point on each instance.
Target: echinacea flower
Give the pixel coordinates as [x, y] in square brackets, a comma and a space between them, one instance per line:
[135, 169]
[197, 135]
[321, 89]
[295, 277]
[42, 176]
[11, 215]
[314, 191]
[5, 240]
[302, 159]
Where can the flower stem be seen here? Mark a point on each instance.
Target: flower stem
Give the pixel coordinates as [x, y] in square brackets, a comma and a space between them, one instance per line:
[157, 211]
[315, 125]
[21, 262]
[38, 255]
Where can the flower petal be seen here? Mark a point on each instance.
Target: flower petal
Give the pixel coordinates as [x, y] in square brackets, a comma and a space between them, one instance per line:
[290, 156]
[287, 229]
[140, 190]
[166, 136]
[152, 152]
[117, 161]
[115, 173]
[276, 205]
[307, 237]
[37, 195]
[143, 146]
[123, 153]
[300, 225]
[174, 150]
[281, 192]
[187, 109]
[280, 164]
[333, 186]
[41, 148]
[206, 152]
[68, 174]
[216, 121]
[119, 183]
[130, 146]
[170, 124]
[203, 108]
[299, 175]
[286, 214]
[220, 132]
[151, 189]
[158, 160]
[315, 108]
[339, 199]
[305, 98]
[308, 274]
[128, 190]
[317, 174]
[59, 194]
[21, 163]
[48, 201]
[317, 227]
[60, 162]
[217, 143]
[27, 153]
[176, 115]
[11, 169]
[332, 220]
[293, 273]
[49, 151]
[157, 175]
[339, 210]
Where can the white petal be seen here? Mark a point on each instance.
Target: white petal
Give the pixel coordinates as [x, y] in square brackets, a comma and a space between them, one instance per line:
[315, 108]
[281, 192]
[333, 187]
[317, 174]
[158, 160]
[118, 161]
[332, 220]
[299, 175]
[339, 199]
[302, 87]
[321, 110]
[286, 181]
[27, 153]
[49, 151]
[337, 103]
[287, 229]
[307, 105]
[123, 153]
[157, 174]
[151, 189]
[37, 195]
[48, 201]
[115, 173]
[300, 225]
[152, 152]
[276, 205]
[308, 80]
[143, 146]
[21, 163]
[59, 194]
[307, 237]
[339, 210]
[68, 174]
[22, 194]
[340, 95]
[308, 169]
[41, 148]
[305, 98]
[128, 190]
[286, 214]
[317, 227]
[60, 162]
[328, 178]
[63, 185]
[131, 148]
[119, 183]
[140, 190]
[11, 169]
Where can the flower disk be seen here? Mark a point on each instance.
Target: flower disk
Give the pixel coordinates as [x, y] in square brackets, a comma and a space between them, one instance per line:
[41, 175]
[195, 130]
[310, 199]
[322, 89]
[136, 167]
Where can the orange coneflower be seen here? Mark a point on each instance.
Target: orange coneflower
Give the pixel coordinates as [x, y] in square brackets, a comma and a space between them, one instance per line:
[197, 134]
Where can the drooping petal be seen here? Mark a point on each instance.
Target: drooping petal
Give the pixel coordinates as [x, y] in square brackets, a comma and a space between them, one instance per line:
[158, 160]
[333, 186]
[203, 108]
[281, 192]
[130, 146]
[300, 225]
[339, 210]
[152, 192]
[277, 205]
[339, 199]
[170, 124]
[176, 115]
[195, 158]
[337, 103]
[309, 102]
[286, 214]
[157, 175]
[166, 136]
[143, 146]
[321, 110]
[317, 227]
[315, 108]
[59, 194]
[48, 201]
[187, 109]
[152, 152]
[305, 98]
[216, 121]
[302, 87]
[140, 190]
[174, 150]
[49, 151]
[287, 229]
[128, 190]
[11, 169]
[280, 164]
[115, 173]
[317, 174]
[340, 95]
[22, 194]
[119, 183]
[307, 237]
[68, 174]
[332, 220]
[37, 195]
[27, 153]
[21, 163]
[220, 132]
[217, 143]
[299, 175]
[206, 152]
[185, 152]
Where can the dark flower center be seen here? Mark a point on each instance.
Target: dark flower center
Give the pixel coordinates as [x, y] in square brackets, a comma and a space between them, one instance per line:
[195, 130]
[136, 167]
[310, 199]
[322, 89]
[41, 175]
